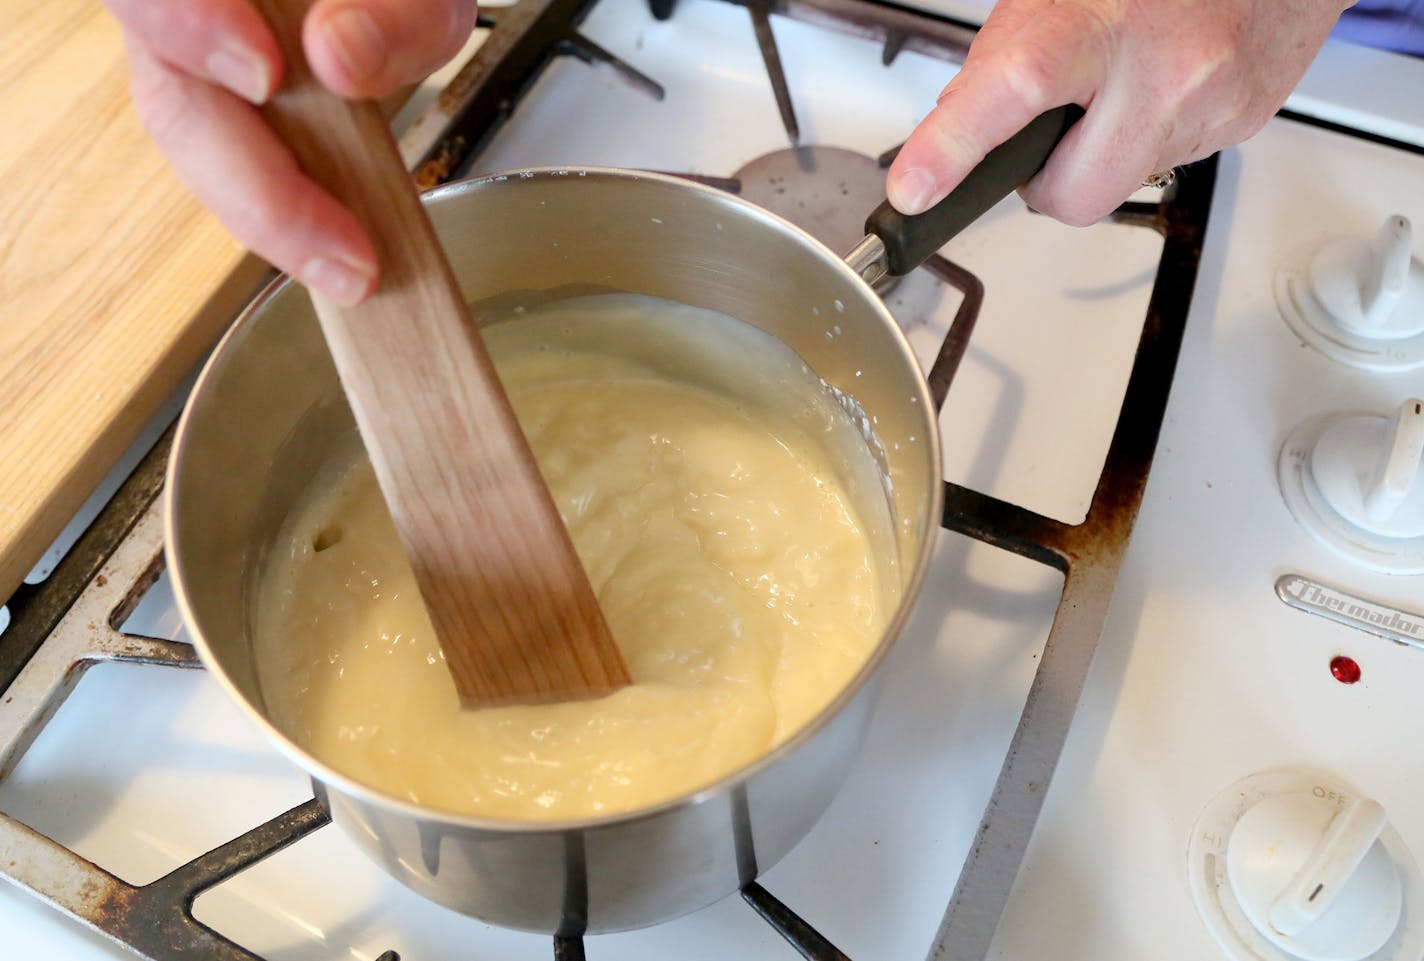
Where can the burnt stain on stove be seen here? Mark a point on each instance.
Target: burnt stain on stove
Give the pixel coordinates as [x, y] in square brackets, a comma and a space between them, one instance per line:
[440, 167]
[156, 920]
[458, 90]
[136, 592]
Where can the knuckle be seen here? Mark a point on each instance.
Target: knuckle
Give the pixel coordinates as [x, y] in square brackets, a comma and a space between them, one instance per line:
[1036, 63]
[1194, 150]
[1078, 214]
[1064, 209]
[1238, 102]
[162, 106]
[1227, 113]
[464, 16]
[1243, 126]
[454, 41]
[255, 221]
[1029, 76]
[1207, 65]
[1073, 194]
[418, 50]
[428, 49]
[275, 216]
[953, 146]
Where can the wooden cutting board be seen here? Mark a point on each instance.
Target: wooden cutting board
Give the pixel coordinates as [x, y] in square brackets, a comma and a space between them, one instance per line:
[113, 281]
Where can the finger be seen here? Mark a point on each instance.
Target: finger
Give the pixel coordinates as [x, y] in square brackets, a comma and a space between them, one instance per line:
[1046, 61]
[369, 48]
[1165, 101]
[1107, 155]
[225, 42]
[234, 163]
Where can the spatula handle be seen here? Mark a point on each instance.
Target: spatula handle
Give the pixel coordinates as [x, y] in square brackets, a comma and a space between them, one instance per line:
[484, 537]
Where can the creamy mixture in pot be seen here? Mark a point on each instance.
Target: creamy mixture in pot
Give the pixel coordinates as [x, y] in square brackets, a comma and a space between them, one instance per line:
[733, 538]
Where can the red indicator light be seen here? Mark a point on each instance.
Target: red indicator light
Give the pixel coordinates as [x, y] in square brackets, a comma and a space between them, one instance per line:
[1344, 669]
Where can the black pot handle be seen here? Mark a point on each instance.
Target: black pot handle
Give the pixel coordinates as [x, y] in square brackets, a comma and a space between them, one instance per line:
[910, 240]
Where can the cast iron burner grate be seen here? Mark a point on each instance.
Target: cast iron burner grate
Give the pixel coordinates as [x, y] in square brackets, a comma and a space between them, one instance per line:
[72, 620]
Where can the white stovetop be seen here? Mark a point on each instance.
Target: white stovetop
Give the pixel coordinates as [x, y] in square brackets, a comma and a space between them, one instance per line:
[1202, 677]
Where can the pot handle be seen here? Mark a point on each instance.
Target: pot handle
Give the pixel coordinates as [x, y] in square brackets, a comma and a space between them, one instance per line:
[910, 240]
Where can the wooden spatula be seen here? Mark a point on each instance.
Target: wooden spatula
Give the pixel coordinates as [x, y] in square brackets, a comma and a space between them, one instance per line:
[509, 599]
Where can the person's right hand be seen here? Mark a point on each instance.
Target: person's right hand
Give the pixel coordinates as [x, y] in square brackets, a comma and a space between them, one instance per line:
[197, 67]
[1163, 83]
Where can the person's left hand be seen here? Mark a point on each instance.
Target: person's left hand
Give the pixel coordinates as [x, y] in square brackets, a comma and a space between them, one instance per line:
[197, 69]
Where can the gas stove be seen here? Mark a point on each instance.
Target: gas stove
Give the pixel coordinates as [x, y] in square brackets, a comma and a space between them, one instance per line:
[1204, 696]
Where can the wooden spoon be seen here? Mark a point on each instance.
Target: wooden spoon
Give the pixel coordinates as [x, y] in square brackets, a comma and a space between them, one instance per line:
[509, 599]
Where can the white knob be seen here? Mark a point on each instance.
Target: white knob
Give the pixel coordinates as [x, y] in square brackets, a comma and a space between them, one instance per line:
[1370, 470]
[1318, 882]
[1361, 284]
[1312, 878]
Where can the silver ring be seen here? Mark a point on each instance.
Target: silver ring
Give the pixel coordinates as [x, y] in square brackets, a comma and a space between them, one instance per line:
[1161, 180]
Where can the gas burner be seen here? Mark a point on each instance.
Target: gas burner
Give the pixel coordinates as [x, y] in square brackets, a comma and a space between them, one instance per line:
[826, 191]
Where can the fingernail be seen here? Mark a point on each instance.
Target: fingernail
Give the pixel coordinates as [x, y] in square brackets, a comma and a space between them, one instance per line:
[912, 191]
[357, 40]
[242, 72]
[342, 281]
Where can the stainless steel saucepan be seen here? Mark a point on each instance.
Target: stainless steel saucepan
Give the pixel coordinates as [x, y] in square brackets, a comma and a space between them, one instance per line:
[267, 412]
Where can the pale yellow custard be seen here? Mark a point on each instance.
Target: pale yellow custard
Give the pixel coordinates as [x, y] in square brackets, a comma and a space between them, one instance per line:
[741, 585]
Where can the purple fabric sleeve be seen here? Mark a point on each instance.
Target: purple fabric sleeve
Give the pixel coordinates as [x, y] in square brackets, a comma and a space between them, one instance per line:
[1389, 24]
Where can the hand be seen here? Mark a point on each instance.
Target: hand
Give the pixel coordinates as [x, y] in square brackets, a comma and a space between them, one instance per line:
[1163, 82]
[197, 67]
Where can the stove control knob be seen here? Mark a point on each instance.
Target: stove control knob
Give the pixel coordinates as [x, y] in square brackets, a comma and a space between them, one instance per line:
[1360, 283]
[1359, 300]
[1370, 470]
[1355, 481]
[1294, 865]
[1312, 877]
